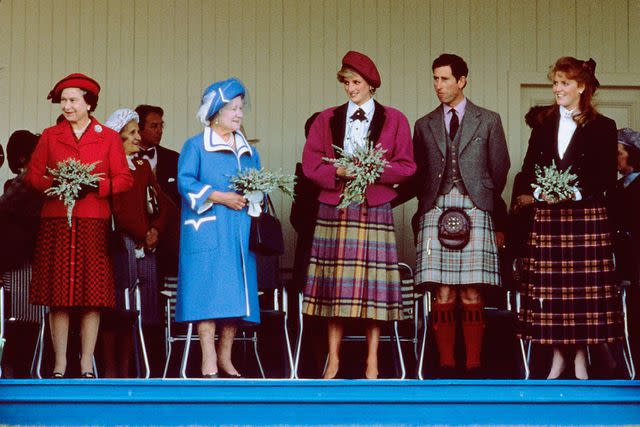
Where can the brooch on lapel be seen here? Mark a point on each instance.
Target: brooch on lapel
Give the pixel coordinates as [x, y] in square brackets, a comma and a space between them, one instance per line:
[139, 162]
[97, 128]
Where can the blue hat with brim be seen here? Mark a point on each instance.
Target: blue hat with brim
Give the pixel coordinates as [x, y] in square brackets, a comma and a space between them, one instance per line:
[217, 95]
[628, 136]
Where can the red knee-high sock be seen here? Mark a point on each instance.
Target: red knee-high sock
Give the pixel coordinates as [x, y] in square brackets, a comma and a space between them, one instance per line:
[473, 332]
[444, 327]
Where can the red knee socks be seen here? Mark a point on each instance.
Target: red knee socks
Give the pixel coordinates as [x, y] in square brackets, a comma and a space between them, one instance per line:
[444, 327]
[473, 332]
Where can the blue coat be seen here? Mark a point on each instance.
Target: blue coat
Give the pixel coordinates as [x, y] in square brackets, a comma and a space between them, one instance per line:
[217, 273]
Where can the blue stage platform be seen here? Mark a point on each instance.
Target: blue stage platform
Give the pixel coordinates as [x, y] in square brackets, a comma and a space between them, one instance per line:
[315, 402]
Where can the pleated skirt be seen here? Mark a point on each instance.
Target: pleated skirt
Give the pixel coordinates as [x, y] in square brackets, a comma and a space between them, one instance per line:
[353, 271]
[569, 292]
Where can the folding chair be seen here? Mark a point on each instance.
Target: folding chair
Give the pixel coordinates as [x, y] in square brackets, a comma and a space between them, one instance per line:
[410, 305]
[184, 333]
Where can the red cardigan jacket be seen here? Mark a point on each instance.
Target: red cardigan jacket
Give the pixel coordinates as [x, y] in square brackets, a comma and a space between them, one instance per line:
[130, 207]
[98, 143]
[389, 127]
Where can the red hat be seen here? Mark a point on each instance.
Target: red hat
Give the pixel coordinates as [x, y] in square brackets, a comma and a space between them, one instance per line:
[74, 80]
[363, 65]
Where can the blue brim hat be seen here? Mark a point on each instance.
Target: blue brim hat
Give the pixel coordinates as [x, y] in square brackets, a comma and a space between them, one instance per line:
[628, 136]
[216, 96]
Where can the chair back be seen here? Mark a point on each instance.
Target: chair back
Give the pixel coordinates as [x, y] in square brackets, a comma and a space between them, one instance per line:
[17, 283]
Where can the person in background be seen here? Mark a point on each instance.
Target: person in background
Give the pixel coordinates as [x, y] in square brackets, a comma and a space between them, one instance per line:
[353, 271]
[217, 279]
[463, 161]
[570, 299]
[71, 267]
[624, 208]
[141, 217]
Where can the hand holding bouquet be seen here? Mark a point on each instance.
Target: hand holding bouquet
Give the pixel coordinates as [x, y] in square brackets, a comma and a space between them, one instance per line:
[555, 185]
[364, 166]
[70, 181]
[253, 184]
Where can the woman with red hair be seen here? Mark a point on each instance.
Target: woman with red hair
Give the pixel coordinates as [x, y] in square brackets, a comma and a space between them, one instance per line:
[71, 266]
[570, 298]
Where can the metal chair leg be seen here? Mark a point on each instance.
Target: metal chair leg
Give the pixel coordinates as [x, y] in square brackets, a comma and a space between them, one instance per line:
[299, 340]
[143, 347]
[626, 348]
[399, 348]
[40, 345]
[254, 339]
[185, 354]
[525, 360]
[426, 306]
[285, 305]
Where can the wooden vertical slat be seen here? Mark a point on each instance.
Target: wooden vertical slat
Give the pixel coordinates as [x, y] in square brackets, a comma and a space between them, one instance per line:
[43, 27]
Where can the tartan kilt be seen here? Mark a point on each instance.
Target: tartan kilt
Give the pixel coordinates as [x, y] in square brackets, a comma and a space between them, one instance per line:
[475, 264]
[569, 294]
[353, 271]
[71, 266]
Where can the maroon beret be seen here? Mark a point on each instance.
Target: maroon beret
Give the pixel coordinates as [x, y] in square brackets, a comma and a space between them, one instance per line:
[74, 80]
[363, 65]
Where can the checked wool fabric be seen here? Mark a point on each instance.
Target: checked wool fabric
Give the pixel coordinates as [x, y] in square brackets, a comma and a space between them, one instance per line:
[569, 293]
[354, 265]
[475, 264]
[71, 266]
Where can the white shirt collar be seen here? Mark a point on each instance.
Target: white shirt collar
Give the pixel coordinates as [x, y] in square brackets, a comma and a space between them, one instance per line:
[567, 114]
[214, 142]
[368, 108]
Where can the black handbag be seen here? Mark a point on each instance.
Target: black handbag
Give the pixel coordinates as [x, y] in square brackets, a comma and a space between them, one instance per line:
[265, 237]
[454, 228]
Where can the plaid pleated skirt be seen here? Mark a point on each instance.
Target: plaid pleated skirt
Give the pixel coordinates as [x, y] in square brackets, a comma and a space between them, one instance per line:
[353, 271]
[569, 292]
[475, 264]
[71, 266]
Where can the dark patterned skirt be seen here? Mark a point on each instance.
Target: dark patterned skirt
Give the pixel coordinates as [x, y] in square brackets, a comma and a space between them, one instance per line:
[475, 264]
[569, 292]
[71, 266]
[353, 270]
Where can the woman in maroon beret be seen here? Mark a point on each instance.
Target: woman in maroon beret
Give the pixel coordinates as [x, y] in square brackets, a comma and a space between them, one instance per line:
[71, 267]
[353, 272]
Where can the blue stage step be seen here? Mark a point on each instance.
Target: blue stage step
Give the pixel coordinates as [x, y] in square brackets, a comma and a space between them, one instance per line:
[317, 402]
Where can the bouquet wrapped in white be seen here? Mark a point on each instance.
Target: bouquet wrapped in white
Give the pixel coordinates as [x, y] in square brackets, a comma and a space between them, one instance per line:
[555, 185]
[253, 184]
[69, 178]
[365, 165]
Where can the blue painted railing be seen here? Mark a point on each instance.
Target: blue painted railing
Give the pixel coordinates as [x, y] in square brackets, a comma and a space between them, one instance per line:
[315, 402]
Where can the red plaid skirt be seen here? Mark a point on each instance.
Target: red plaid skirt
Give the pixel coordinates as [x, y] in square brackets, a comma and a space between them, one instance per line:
[71, 266]
[569, 291]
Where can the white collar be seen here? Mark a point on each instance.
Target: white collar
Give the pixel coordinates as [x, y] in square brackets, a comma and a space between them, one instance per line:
[214, 142]
[567, 114]
[368, 108]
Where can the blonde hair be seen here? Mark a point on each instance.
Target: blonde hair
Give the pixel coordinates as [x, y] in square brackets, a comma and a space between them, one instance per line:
[349, 73]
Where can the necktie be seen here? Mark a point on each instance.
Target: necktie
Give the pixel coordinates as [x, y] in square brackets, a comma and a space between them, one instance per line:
[149, 154]
[359, 115]
[454, 124]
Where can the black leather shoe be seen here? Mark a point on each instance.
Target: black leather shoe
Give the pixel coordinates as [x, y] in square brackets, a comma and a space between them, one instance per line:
[475, 374]
[87, 375]
[447, 372]
[225, 374]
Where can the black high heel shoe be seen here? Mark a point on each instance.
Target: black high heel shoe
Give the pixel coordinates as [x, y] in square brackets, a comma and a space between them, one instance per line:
[224, 374]
[57, 376]
[211, 376]
[88, 375]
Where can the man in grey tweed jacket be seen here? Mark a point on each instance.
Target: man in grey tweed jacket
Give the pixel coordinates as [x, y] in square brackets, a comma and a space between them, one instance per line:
[462, 159]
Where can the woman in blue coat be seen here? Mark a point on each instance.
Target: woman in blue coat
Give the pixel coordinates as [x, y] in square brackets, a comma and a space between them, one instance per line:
[217, 281]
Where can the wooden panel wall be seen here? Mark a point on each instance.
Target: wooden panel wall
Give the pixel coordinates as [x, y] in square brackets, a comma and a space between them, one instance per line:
[165, 52]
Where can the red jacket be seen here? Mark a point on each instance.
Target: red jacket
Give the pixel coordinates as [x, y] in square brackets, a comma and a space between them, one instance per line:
[130, 207]
[389, 127]
[98, 143]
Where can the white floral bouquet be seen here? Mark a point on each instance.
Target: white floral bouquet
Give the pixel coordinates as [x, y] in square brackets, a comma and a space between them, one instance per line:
[253, 184]
[365, 165]
[69, 178]
[555, 185]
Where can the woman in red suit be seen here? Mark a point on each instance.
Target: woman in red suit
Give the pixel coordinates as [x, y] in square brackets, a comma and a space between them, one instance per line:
[353, 271]
[71, 267]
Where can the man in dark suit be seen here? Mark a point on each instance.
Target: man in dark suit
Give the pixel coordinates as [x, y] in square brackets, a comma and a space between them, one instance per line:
[462, 158]
[163, 161]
